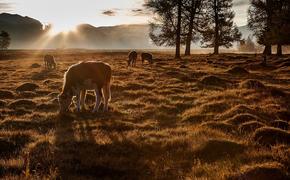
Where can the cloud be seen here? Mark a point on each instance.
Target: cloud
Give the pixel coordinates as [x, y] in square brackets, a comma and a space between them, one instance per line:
[241, 2]
[4, 7]
[126, 11]
[140, 12]
[109, 12]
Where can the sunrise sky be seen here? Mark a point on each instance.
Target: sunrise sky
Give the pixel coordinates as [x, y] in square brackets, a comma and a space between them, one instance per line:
[64, 15]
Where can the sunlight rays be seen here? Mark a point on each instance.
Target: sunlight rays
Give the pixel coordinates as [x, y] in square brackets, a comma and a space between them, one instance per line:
[51, 40]
[56, 29]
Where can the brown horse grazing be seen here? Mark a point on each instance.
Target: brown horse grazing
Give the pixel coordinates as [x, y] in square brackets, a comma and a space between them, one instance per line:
[91, 75]
[49, 62]
[148, 57]
[132, 58]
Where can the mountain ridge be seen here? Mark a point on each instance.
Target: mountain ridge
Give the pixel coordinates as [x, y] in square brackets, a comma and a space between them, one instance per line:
[29, 33]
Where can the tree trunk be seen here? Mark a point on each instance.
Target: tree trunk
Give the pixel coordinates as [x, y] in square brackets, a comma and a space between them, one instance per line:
[279, 50]
[188, 39]
[216, 29]
[178, 31]
[216, 49]
[267, 50]
[190, 30]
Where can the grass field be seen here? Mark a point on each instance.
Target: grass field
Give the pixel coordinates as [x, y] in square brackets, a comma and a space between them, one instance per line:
[206, 117]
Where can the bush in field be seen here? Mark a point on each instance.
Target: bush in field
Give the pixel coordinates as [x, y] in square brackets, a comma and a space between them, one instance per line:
[4, 40]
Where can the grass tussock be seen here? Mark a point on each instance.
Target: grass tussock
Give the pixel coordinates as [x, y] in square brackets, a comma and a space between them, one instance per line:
[216, 149]
[238, 71]
[281, 124]
[242, 118]
[225, 127]
[283, 115]
[5, 94]
[2, 103]
[238, 109]
[253, 84]
[271, 136]
[207, 117]
[35, 65]
[214, 81]
[249, 127]
[22, 103]
[27, 87]
[271, 170]
[27, 94]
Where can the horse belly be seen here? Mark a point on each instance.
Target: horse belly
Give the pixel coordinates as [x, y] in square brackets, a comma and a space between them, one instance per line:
[89, 84]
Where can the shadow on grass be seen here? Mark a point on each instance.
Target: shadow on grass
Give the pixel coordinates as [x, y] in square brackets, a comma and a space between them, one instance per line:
[80, 155]
[87, 150]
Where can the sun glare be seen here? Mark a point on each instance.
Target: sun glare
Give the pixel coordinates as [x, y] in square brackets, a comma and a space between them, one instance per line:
[56, 29]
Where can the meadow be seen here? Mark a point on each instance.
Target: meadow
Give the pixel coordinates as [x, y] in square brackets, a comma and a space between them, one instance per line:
[203, 117]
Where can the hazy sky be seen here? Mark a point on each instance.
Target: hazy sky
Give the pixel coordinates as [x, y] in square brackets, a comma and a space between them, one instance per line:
[66, 14]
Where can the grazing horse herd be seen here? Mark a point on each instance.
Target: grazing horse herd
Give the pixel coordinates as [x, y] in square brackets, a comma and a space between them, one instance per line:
[132, 58]
[90, 75]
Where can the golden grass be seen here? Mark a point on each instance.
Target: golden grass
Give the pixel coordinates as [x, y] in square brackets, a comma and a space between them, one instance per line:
[207, 117]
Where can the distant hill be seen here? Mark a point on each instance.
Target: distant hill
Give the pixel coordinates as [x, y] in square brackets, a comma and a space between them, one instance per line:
[23, 30]
[29, 33]
[112, 37]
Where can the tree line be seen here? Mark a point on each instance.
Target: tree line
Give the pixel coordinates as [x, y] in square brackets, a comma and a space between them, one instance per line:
[181, 22]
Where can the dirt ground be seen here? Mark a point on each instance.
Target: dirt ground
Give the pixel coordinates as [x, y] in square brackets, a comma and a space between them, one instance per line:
[205, 117]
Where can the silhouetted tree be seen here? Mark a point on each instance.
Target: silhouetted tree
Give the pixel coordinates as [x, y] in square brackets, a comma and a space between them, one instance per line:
[270, 21]
[178, 29]
[166, 28]
[281, 24]
[4, 40]
[260, 21]
[192, 9]
[218, 27]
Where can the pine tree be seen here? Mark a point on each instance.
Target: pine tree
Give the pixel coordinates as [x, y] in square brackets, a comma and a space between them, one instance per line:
[281, 24]
[219, 29]
[260, 21]
[178, 30]
[166, 28]
[192, 9]
[270, 21]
